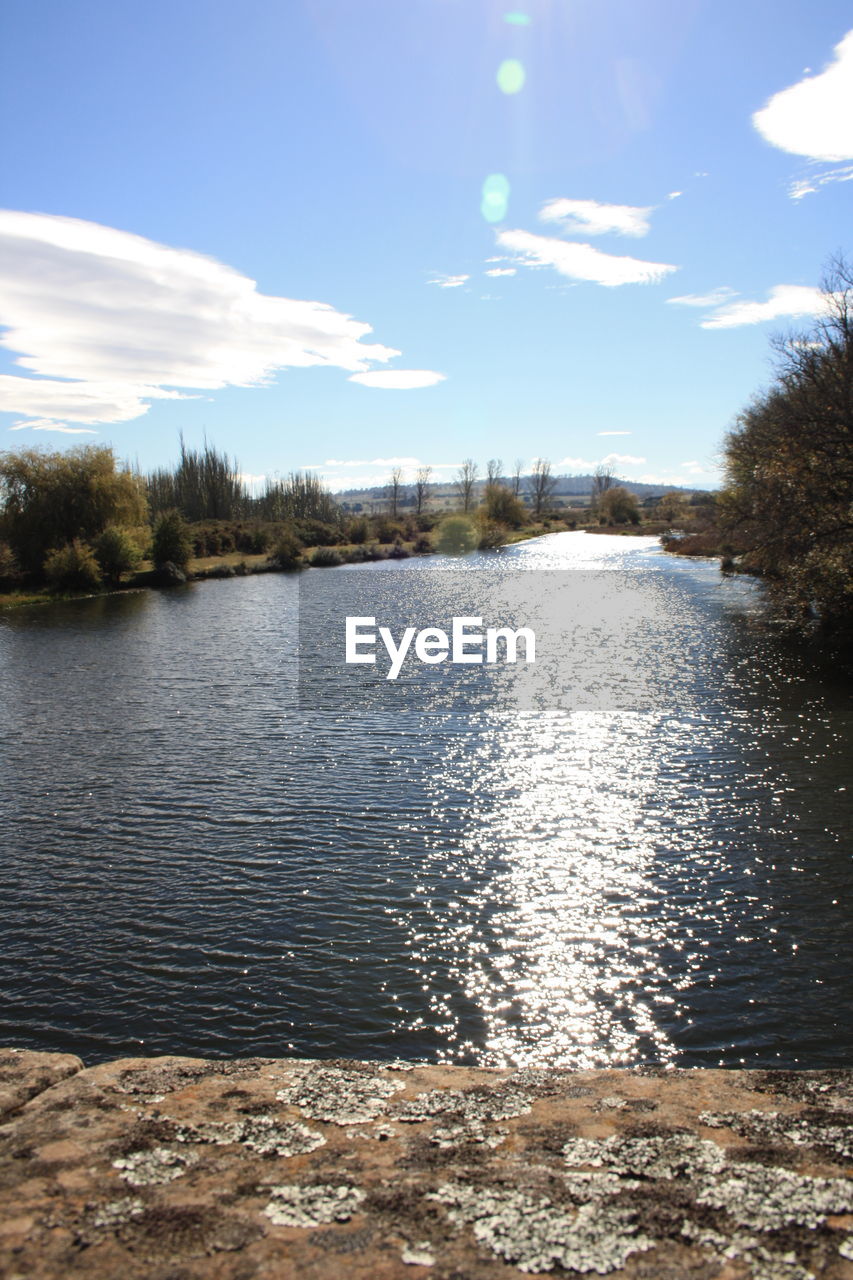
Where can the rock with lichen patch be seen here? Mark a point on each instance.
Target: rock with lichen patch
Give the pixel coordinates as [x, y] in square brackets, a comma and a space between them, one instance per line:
[768, 1199]
[311, 1206]
[338, 1095]
[155, 1166]
[670, 1156]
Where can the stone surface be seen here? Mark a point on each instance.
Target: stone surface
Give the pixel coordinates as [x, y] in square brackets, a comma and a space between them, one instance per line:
[23, 1074]
[182, 1169]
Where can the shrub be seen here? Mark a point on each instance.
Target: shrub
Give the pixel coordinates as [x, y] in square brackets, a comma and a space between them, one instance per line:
[423, 544]
[116, 553]
[326, 558]
[492, 535]
[398, 552]
[358, 531]
[171, 541]
[72, 568]
[503, 507]
[456, 536]
[10, 572]
[287, 552]
[388, 531]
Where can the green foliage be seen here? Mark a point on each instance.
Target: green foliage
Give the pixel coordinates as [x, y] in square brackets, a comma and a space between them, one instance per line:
[10, 571]
[116, 553]
[171, 541]
[287, 552]
[617, 506]
[72, 568]
[205, 485]
[457, 536]
[326, 558]
[50, 499]
[301, 496]
[672, 508]
[501, 506]
[358, 531]
[789, 464]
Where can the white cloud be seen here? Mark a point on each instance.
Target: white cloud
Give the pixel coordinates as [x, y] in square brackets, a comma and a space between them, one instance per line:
[105, 322]
[814, 117]
[588, 217]
[351, 474]
[808, 186]
[615, 433]
[584, 465]
[502, 271]
[449, 282]
[581, 261]
[46, 424]
[398, 379]
[673, 195]
[785, 300]
[713, 299]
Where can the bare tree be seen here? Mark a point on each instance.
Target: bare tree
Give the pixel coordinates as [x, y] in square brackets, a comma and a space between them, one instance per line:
[516, 477]
[394, 485]
[466, 478]
[493, 471]
[422, 487]
[542, 484]
[603, 479]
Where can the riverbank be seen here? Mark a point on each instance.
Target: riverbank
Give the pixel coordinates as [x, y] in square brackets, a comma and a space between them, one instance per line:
[156, 1168]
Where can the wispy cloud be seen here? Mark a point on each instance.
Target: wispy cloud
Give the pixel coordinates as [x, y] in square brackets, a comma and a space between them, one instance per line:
[615, 433]
[814, 117]
[715, 298]
[367, 473]
[105, 323]
[784, 301]
[45, 424]
[501, 271]
[398, 379]
[589, 218]
[449, 282]
[801, 187]
[581, 261]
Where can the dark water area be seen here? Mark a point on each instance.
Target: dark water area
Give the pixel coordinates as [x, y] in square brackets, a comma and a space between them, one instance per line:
[194, 861]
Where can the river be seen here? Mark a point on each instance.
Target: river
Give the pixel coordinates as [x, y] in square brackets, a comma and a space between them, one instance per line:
[195, 862]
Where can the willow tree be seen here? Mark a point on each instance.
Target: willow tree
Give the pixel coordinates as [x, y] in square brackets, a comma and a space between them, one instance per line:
[47, 500]
[789, 465]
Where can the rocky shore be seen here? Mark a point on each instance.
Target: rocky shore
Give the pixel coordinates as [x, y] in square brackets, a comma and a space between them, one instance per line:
[177, 1168]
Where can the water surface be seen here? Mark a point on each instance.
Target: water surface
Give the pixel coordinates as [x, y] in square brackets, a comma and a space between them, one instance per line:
[194, 863]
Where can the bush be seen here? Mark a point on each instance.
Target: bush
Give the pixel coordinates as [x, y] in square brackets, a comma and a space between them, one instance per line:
[423, 544]
[171, 541]
[317, 533]
[456, 536]
[72, 568]
[116, 553]
[10, 573]
[358, 531]
[287, 552]
[326, 558]
[501, 506]
[492, 536]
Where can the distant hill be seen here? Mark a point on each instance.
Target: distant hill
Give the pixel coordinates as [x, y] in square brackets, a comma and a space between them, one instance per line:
[444, 492]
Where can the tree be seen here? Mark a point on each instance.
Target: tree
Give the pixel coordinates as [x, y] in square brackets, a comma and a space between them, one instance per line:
[672, 507]
[602, 479]
[617, 506]
[518, 472]
[171, 541]
[502, 507]
[421, 487]
[542, 485]
[493, 470]
[116, 553]
[466, 478]
[393, 489]
[788, 500]
[47, 500]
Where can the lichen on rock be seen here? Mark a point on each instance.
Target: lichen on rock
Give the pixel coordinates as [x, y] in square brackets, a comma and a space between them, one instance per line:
[311, 1206]
[536, 1235]
[670, 1156]
[768, 1199]
[261, 1134]
[338, 1095]
[155, 1166]
[469, 1106]
[813, 1130]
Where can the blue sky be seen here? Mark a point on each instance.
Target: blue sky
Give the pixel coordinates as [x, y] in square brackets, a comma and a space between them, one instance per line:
[269, 223]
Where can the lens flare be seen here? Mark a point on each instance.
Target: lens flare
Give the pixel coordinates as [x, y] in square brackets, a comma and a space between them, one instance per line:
[493, 205]
[511, 76]
[517, 19]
